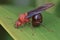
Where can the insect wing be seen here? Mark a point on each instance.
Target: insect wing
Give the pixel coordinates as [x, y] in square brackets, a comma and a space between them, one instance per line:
[32, 14]
[39, 9]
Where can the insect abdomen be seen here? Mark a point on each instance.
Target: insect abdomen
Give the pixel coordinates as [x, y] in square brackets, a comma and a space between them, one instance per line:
[36, 20]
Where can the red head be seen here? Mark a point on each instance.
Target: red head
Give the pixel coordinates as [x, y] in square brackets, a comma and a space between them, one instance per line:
[18, 23]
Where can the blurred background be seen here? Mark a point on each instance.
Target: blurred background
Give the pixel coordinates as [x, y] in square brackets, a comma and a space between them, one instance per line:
[27, 2]
[31, 3]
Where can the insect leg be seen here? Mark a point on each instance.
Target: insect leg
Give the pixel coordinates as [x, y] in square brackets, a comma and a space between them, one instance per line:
[47, 28]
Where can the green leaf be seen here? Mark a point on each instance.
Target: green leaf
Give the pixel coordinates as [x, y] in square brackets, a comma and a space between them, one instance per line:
[9, 14]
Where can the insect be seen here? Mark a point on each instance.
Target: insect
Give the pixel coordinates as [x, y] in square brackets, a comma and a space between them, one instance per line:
[34, 14]
[36, 20]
